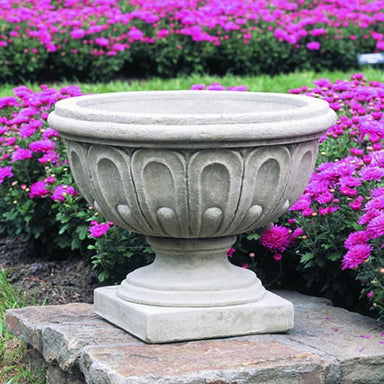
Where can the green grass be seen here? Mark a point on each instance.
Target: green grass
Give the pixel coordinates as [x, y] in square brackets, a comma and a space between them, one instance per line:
[13, 369]
[263, 83]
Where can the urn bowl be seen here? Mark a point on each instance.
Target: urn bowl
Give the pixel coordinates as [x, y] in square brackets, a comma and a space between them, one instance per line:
[191, 164]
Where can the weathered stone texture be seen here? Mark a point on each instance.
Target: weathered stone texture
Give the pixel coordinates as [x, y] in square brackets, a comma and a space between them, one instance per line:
[327, 346]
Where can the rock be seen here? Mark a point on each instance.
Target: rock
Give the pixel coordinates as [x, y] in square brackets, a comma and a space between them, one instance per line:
[209, 361]
[327, 346]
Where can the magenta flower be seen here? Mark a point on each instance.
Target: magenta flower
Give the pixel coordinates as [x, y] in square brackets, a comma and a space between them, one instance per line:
[197, 87]
[77, 33]
[230, 252]
[318, 32]
[49, 157]
[49, 180]
[278, 256]
[356, 151]
[21, 154]
[5, 172]
[356, 255]
[38, 189]
[49, 132]
[26, 131]
[313, 46]
[238, 88]
[324, 198]
[345, 190]
[62, 191]
[357, 203]
[303, 203]
[354, 238]
[98, 229]
[328, 210]
[215, 87]
[371, 172]
[276, 238]
[135, 34]
[102, 41]
[162, 33]
[44, 145]
[375, 227]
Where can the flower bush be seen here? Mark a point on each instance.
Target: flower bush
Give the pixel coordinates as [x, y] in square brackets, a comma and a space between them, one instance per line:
[97, 39]
[39, 202]
[332, 238]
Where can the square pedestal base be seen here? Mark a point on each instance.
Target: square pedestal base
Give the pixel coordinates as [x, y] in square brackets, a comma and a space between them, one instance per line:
[155, 324]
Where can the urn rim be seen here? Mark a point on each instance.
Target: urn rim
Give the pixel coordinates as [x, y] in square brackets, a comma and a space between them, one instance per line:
[193, 117]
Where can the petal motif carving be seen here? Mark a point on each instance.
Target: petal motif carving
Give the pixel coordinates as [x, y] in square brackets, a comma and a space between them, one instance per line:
[303, 162]
[266, 173]
[114, 190]
[191, 194]
[214, 187]
[77, 156]
[159, 177]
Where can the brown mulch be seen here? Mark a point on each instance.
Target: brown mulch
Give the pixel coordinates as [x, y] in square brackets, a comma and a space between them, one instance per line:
[46, 281]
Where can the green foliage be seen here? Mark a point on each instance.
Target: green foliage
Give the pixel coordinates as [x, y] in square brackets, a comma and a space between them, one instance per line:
[119, 252]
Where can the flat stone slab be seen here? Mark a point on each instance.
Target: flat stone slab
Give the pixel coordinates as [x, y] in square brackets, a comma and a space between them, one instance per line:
[328, 345]
[208, 361]
[158, 324]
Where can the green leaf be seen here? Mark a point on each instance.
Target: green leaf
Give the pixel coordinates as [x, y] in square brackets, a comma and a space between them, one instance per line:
[82, 231]
[304, 259]
[253, 236]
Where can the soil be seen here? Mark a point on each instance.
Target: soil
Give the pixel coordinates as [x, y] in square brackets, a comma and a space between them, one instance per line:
[46, 281]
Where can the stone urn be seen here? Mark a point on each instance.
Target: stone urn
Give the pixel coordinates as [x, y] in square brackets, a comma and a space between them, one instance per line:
[190, 170]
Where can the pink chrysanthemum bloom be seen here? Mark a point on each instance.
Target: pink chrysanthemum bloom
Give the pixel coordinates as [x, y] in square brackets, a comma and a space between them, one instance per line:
[44, 145]
[238, 88]
[38, 189]
[354, 238]
[378, 192]
[328, 210]
[77, 33]
[49, 157]
[26, 131]
[302, 203]
[21, 154]
[324, 198]
[198, 87]
[376, 203]
[313, 46]
[347, 191]
[375, 227]
[230, 252]
[356, 205]
[356, 151]
[5, 172]
[98, 229]
[356, 255]
[276, 238]
[135, 34]
[368, 216]
[215, 87]
[369, 173]
[49, 132]
[61, 191]
[350, 181]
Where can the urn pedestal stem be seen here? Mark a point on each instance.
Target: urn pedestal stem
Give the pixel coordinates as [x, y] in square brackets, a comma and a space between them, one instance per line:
[191, 273]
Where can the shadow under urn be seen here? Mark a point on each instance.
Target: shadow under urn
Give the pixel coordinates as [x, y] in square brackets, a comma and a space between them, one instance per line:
[191, 170]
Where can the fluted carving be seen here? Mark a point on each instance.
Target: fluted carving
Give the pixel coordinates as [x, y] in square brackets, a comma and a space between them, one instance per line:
[192, 193]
